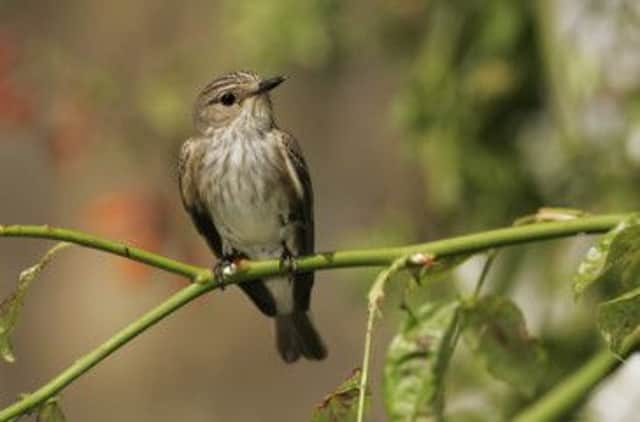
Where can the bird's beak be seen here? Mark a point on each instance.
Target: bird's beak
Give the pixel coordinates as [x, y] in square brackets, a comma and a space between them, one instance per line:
[268, 84]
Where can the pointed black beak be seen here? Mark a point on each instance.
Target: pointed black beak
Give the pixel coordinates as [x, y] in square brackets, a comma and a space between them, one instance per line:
[270, 83]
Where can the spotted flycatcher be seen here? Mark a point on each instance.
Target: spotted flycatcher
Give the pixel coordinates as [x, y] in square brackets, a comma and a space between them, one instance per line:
[247, 188]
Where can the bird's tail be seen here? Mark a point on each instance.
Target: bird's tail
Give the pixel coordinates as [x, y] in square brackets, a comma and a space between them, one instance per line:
[296, 335]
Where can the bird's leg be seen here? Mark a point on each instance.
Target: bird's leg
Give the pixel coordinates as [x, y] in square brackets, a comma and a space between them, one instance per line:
[221, 269]
[288, 261]
[225, 265]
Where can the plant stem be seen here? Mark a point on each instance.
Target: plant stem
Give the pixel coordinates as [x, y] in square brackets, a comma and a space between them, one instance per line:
[249, 270]
[82, 365]
[362, 392]
[94, 242]
[376, 296]
[572, 391]
[491, 256]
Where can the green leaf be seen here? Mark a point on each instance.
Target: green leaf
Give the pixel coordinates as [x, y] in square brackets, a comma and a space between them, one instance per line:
[51, 411]
[614, 259]
[618, 318]
[496, 332]
[11, 306]
[615, 262]
[342, 403]
[416, 362]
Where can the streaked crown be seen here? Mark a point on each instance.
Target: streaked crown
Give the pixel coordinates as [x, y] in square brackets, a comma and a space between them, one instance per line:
[232, 96]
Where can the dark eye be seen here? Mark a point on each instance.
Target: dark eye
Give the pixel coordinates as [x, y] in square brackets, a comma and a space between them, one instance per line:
[228, 99]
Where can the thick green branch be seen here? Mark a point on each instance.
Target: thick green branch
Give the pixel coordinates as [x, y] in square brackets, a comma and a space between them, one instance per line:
[82, 365]
[94, 242]
[341, 259]
[571, 392]
[258, 269]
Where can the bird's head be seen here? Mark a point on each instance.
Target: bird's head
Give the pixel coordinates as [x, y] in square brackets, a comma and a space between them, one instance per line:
[233, 97]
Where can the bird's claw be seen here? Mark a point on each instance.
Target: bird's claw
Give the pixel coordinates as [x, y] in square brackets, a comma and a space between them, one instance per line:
[288, 263]
[223, 268]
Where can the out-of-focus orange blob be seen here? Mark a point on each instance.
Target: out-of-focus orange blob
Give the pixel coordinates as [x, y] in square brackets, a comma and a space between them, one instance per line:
[137, 217]
[16, 106]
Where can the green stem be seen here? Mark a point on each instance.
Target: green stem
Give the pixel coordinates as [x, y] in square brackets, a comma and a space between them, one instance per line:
[362, 392]
[250, 270]
[491, 256]
[94, 242]
[567, 395]
[376, 296]
[82, 365]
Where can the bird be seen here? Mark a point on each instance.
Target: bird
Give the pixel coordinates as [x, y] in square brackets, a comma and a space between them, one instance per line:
[247, 188]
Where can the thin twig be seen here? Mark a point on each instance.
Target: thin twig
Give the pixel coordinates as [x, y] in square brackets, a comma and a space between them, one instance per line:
[376, 296]
[491, 256]
[570, 392]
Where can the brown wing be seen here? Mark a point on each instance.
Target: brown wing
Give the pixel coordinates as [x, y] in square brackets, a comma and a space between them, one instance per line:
[190, 155]
[303, 210]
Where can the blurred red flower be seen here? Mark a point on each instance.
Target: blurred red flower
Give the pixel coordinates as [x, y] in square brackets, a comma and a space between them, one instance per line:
[137, 217]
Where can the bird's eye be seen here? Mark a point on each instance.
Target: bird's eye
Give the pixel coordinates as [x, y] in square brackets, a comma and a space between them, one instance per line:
[228, 99]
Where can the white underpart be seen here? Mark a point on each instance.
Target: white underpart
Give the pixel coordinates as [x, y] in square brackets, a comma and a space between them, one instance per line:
[254, 230]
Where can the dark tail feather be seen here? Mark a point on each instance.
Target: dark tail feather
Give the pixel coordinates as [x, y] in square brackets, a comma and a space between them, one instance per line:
[311, 345]
[296, 335]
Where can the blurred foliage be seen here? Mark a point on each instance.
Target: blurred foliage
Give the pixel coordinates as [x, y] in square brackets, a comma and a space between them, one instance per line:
[474, 85]
[613, 265]
[309, 38]
[614, 259]
[619, 318]
[11, 307]
[509, 106]
[497, 335]
[481, 109]
[342, 403]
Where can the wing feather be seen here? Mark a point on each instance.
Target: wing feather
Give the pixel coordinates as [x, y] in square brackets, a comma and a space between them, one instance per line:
[304, 209]
[188, 162]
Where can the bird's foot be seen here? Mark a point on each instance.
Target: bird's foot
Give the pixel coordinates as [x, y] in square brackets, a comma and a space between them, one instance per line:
[288, 263]
[223, 268]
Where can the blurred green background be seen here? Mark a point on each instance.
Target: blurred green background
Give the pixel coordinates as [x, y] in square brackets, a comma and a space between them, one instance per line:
[419, 120]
